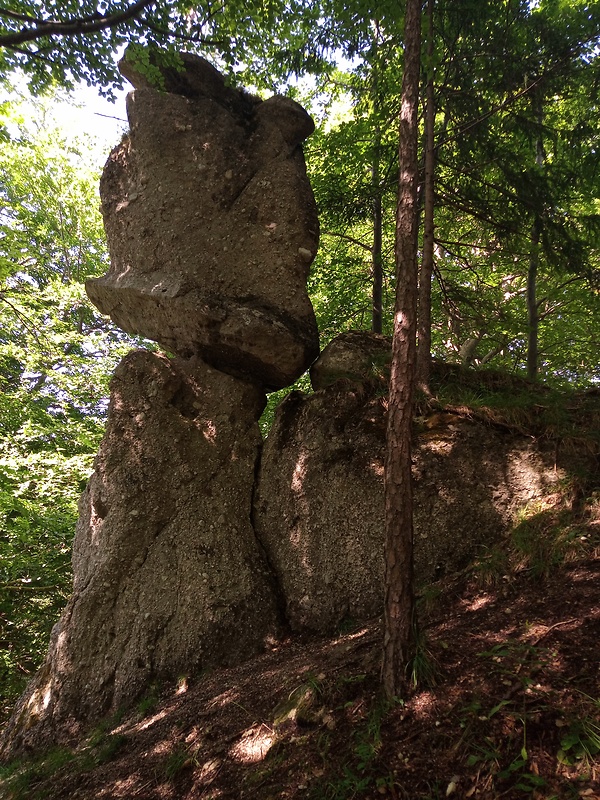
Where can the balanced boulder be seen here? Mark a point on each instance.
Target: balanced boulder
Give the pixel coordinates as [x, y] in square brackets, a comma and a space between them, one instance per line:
[212, 226]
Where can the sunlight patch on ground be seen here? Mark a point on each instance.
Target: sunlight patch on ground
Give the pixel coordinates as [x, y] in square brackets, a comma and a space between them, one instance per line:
[377, 468]
[210, 431]
[162, 748]
[348, 637]
[479, 602]
[254, 744]
[209, 770]
[424, 705]
[538, 631]
[144, 724]
[193, 735]
[230, 696]
[122, 788]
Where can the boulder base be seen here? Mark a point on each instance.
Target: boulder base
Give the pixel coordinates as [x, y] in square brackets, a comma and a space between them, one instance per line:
[353, 356]
[319, 508]
[168, 575]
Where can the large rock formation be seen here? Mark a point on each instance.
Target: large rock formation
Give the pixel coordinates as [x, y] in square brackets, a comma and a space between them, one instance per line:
[212, 226]
[169, 577]
[181, 554]
[319, 509]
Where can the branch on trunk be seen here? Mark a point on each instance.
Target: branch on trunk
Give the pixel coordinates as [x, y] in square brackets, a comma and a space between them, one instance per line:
[39, 29]
[350, 239]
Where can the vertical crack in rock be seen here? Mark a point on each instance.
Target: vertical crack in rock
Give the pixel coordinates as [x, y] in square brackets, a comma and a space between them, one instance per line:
[270, 569]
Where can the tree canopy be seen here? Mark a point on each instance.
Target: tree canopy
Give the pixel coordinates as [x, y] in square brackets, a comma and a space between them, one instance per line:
[56, 356]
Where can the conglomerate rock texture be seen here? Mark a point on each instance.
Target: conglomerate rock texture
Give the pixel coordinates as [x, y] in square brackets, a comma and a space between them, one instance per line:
[212, 226]
[169, 578]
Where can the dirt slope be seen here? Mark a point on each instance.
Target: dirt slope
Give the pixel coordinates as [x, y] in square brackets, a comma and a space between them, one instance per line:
[508, 705]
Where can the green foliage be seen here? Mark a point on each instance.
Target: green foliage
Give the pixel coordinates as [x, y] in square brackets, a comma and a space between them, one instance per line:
[361, 771]
[25, 779]
[149, 702]
[423, 667]
[176, 761]
[490, 187]
[56, 355]
[20, 779]
[275, 398]
[581, 742]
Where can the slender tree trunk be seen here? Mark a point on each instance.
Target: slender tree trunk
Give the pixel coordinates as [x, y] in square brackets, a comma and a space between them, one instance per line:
[532, 307]
[377, 258]
[534, 259]
[424, 315]
[398, 603]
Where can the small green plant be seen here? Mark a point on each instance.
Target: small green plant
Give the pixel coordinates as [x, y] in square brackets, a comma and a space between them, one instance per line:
[491, 566]
[109, 747]
[20, 778]
[581, 742]
[515, 661]
[148, 703]
[300, 704]
[424, 668]
[347, 625]
[359, 773]
[488, 753]
[104, 726]
[525, 781]
[261, 774]
[485, 752]
[428, 597]
[176, 761]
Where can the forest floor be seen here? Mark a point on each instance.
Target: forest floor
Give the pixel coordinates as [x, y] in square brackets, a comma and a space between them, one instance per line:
[506, 705]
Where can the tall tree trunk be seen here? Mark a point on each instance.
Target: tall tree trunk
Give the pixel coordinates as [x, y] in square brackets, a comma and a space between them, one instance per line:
[398, 603]
[532, 307]
[424, 315]
[376, 257]
[534, 256]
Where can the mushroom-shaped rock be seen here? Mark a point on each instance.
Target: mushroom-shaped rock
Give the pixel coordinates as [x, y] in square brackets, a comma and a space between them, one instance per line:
[212, 226]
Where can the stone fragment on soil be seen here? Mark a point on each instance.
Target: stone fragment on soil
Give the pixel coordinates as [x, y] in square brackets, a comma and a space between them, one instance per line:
[354, 356]
[212, 226]
[169, 578]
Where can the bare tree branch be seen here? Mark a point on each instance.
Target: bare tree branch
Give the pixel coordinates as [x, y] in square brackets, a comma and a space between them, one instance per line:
[196, 38]
[6, 12]
[73, 27]
[350, 239]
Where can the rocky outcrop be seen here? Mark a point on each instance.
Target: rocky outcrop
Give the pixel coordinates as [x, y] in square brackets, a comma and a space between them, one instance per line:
[353, 356]
[184, 545]
[169, 577]
[212, 226]
[319, 507]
